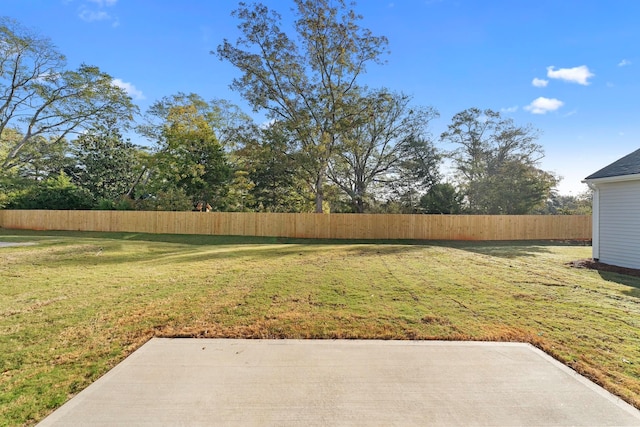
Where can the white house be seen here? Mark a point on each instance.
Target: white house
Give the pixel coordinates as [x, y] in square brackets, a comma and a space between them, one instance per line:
[616, 212]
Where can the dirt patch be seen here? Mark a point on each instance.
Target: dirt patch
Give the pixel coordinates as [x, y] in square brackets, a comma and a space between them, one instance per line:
[596, 265]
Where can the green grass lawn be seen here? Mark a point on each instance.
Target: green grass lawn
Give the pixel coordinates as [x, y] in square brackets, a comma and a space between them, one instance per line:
[75, 304]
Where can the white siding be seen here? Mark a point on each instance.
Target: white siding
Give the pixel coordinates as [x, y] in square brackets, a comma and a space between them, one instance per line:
[620, 223]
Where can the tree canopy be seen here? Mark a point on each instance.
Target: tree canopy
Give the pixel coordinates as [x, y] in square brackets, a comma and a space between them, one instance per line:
[188, 154]
[41, 98]
[330, 142]
[388, 142]
[106, 164]
[309, 81]
[496, 163]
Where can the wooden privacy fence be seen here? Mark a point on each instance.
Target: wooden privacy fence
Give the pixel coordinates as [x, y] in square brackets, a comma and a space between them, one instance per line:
[309, 225]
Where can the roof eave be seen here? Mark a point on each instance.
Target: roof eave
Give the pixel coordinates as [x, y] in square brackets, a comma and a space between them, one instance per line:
[607, 179]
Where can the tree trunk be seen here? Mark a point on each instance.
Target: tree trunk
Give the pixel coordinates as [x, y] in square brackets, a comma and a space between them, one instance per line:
[130, 193]
[319, 190]
[360, 190]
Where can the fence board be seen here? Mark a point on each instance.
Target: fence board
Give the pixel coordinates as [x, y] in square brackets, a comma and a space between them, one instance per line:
[308, 225]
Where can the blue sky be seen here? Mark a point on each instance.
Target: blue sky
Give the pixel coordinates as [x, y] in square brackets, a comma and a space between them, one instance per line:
[569, 68]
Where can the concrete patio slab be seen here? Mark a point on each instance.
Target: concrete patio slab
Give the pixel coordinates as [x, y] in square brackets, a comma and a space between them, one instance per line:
[203, 382]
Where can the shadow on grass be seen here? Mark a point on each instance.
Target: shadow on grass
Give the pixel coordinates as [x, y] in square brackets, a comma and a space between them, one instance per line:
[503, 249]
[623, 279]
[199, 239]
[289, 252]
[625, 276]
[192, 239]
[100, 248]
[184, 239]
[512, 249]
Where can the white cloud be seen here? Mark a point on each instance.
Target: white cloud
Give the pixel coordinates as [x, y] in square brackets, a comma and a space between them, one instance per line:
[578, 75]
[624, 63]
[93, 15]
[129, 88]
[103, 3]
[94, 10]
[539, 82]
[509, 109]
[544, 105]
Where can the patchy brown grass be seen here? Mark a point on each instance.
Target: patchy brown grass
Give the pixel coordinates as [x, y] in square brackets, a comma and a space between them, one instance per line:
[76, 304]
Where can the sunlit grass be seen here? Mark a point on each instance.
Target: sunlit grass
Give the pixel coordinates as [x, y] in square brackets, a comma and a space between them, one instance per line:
[75, 304]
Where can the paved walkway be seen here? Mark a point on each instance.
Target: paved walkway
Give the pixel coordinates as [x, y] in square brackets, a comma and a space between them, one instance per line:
[202, 382]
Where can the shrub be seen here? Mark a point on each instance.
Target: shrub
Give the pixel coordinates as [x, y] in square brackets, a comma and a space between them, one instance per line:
[53, 193]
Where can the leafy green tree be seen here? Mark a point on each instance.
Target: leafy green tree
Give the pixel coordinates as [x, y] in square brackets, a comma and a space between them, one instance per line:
[196, 142]
[417, 172]
[57, 192]
[442, 198]
[240, 197]
[38, 161]
[514, 189]
[230, 125]
[167, 199]
[273, 173]
[191, 158]
[559, 204]
[496, 163]
[43, 99]
[308, 82]
[388, 144]
[106, 163]
[42, 158]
